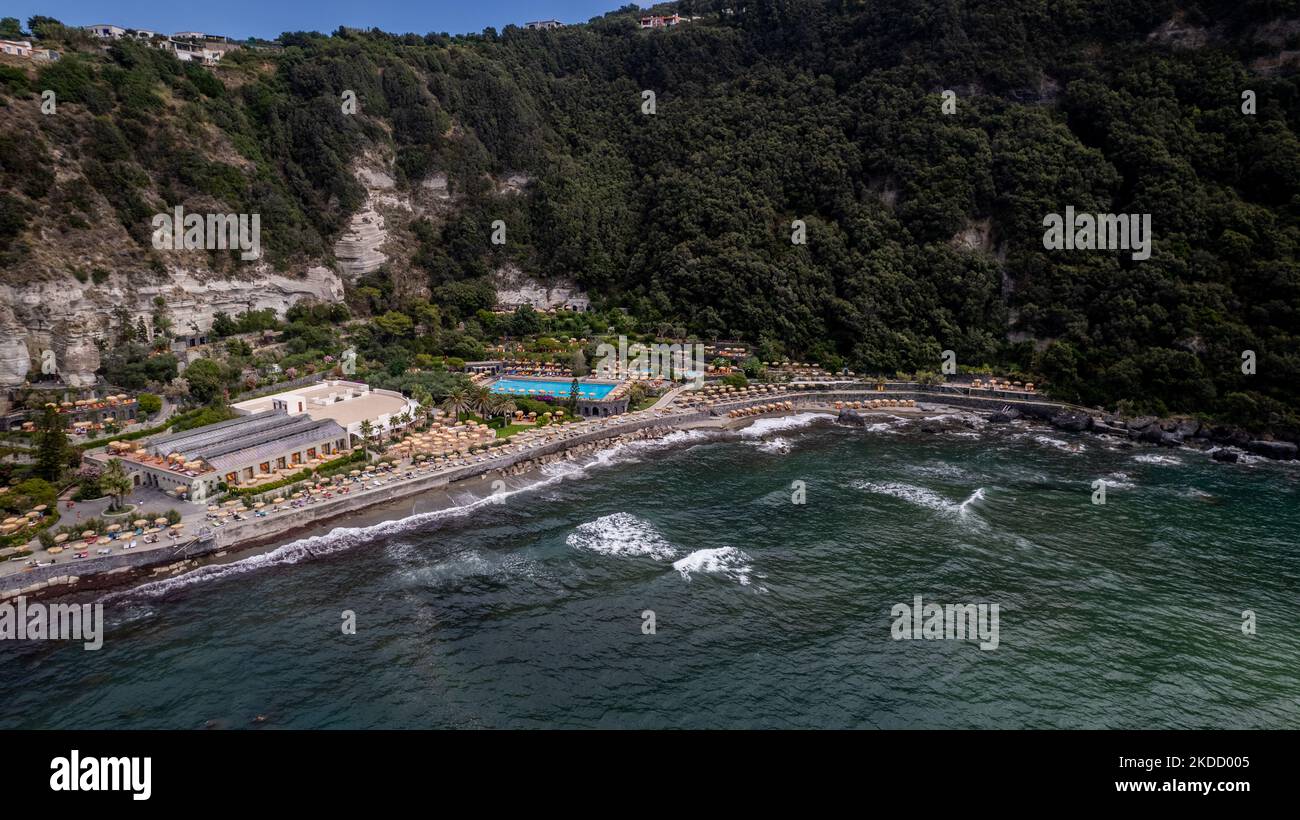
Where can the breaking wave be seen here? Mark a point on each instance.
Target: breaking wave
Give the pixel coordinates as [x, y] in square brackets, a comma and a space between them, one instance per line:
[922, 497]
[621, 534]
[762, 427]
[728, 562]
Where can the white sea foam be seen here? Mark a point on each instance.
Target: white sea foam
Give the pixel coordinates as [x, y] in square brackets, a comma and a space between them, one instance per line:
[621, 534]
[923, 497]
[762, 427]
[884, 427]
[946, 471]
[776, 444]
[1119, 481]
[1066, 446]
[728, 562]
[974, 498]
[1157, 458]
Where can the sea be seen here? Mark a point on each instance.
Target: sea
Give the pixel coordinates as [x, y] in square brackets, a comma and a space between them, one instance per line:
[760, 579]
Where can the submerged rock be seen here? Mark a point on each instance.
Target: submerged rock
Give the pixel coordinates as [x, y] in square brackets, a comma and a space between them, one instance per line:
[1282, 450]
[1224, 455]
[1071, 422]
[850, 416]
[1006, 414]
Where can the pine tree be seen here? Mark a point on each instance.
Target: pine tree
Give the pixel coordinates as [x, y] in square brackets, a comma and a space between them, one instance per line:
[51, 445]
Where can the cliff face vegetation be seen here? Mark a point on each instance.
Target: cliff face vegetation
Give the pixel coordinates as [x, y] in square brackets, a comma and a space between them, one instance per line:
[924, 225]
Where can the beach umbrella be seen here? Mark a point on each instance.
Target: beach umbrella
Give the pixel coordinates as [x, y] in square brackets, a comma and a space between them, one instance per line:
[213, 508]
[178, 526]
[278, 501]
[160, 521]
[54, 550]
[60, 538]
[88, 534]
[39, 508]
[114, 527]
[139, 522]
[103, 541]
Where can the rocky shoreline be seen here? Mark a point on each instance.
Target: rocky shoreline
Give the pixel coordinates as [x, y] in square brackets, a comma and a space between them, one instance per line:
[1223, 442]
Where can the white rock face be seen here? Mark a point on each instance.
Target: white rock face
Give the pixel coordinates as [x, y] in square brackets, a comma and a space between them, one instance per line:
[358, 249]
[515, 289]
[15, 360]
[66, 316]
[78, 357]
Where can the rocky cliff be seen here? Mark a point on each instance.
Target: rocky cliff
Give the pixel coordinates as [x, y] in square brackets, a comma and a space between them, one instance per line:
[66, 316]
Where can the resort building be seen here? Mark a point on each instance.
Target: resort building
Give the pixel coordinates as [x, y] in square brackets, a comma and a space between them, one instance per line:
[543, 25]
[241, 452]
[349, 404]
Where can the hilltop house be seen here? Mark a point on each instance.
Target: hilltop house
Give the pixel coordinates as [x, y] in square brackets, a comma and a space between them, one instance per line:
[658, 21]
[543, 25]
[17, 48]
[106, 31]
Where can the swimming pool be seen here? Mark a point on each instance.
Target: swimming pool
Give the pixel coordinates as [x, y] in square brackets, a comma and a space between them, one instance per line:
[550, 387]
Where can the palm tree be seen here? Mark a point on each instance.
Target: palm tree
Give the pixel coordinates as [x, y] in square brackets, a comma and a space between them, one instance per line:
[425, 402]
[115, 482]
[503, 406]
[367, 429]
[457, 402]
[481, 401]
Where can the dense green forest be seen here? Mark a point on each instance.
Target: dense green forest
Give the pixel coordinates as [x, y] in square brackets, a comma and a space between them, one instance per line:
[826, 112]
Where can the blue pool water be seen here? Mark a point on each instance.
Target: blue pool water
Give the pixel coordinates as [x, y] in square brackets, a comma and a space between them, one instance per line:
[552, 387]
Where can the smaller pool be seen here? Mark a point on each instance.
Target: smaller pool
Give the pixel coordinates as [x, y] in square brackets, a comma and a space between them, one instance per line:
[537, 388]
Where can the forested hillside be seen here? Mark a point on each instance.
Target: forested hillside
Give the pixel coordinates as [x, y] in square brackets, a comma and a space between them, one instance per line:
[924, 229]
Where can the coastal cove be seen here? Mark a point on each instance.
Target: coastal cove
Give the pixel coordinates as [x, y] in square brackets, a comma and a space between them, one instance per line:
[673, 413]
[535, 598]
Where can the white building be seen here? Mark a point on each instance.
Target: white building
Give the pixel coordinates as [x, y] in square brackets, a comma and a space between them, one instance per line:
[346, 402]
[106, 31]
[543, 25]
[17, 48]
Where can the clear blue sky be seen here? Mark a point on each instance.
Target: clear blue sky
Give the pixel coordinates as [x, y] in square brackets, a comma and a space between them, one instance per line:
[268, 18]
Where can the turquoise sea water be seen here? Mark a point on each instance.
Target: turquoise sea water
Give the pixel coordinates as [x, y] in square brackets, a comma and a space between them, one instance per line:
[527, 610]
[550, 387]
